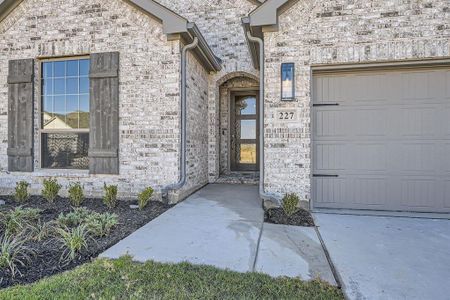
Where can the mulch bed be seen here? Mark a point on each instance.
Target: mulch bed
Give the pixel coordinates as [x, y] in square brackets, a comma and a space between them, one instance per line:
[47, 260]
[300, 218]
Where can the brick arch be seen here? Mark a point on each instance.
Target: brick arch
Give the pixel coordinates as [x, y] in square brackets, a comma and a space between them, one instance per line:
[233, 75]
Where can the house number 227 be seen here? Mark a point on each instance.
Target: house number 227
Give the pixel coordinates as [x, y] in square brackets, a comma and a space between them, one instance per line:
[286, 115]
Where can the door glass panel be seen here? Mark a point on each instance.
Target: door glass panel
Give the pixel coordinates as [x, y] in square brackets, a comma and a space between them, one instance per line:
[247, 154]
[248, 129]
[246, 106]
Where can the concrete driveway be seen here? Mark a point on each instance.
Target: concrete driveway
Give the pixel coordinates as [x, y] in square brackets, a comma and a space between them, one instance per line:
[389, 257]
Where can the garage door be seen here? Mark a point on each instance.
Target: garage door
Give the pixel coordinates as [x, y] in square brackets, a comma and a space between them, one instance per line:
[381, 140]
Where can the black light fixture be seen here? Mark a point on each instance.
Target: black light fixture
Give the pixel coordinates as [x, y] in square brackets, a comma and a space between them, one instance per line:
[287, 81]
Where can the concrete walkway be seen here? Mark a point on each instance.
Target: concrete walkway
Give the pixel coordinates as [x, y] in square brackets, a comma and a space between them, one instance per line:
[222, 225]
[389, 257]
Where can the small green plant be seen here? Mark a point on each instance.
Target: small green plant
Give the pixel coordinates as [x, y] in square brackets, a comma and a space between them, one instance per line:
[16, 221]
[100, 225]
[290, 204]
[144, 197]
[21, 195]
[76, 194]
[110, 198]
[14, 253]
[51, 189]
[75, 218]
[72, 240]
[40, 231]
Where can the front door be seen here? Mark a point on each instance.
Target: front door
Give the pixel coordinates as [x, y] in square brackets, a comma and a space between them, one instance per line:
[244, 132]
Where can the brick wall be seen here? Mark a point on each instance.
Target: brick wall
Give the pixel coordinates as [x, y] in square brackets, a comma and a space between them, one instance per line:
[333, 32]
[220, 23]
[149, 85]
[197, 124]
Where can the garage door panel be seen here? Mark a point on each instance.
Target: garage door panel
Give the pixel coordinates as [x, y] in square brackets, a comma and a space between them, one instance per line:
[416, 86]
[331, 191]
[446, 163]
[417, 192]
[446, 125]
[447, 85]
[358, 191]
[330, 123]
[328, 89]
[368, 121]
[420, 122]
[330, 157]
[424, 87]
[338, 123]
[447, 193]
[370, 191]
[350, 158]
[387, 140]
[419, 157]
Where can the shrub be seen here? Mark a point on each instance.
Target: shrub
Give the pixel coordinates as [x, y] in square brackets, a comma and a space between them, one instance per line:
[144, 197]
[75, 218]
[110, 198]
[16, 221]
[290, 204]
[13, 254]
[72, 240]
[76, 194]
[100, 225]
[21, 195]
[51, 189]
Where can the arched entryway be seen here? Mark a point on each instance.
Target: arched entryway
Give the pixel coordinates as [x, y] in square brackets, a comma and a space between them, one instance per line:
[235, 138]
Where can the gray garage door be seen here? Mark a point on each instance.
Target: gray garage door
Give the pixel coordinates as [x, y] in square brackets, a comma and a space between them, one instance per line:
[381, 140]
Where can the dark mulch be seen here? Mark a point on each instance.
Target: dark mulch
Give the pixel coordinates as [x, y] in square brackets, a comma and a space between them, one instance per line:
[300, 218]
[47, 260]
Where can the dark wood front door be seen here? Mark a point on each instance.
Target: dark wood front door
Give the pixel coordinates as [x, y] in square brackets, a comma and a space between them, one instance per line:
[244, 132]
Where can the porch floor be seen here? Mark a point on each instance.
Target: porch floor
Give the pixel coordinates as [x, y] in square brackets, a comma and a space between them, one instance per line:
[223, 225]
[248, 178]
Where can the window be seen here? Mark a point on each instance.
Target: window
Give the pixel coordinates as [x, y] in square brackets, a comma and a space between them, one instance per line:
[65, 114]
[287, 82]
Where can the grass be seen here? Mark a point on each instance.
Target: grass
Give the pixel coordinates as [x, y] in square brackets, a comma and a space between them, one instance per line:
[123, 279]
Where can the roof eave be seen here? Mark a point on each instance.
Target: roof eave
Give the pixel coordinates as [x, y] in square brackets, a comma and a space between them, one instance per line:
[203, 51]
[7, 6]
[252, 47]
[264, 19]
[172, 22]
[177, 27]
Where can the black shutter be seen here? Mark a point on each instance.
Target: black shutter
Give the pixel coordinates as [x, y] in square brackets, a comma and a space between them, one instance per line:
[104, 115]
[20, 115]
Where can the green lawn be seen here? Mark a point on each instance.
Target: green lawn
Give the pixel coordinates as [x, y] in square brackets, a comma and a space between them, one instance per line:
[123, 279]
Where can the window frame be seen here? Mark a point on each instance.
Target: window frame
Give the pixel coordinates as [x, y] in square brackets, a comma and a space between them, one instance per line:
[40, 124]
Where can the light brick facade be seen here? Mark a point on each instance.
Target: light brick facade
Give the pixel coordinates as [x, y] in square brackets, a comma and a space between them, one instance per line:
[220, 23]
[310, 33]
[149, 90]
[337, 32]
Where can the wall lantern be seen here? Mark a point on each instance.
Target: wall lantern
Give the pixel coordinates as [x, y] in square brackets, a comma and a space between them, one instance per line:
[287, 82]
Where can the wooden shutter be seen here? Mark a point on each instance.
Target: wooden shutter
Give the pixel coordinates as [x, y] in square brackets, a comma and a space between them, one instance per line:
[20, 115]
[104, 115]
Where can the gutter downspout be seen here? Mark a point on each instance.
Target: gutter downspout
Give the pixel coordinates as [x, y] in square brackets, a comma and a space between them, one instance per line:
[265, 196]
[183, 129]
